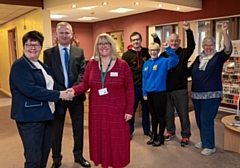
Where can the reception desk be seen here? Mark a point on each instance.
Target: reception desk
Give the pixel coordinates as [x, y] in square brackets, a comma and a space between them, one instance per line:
[231, 135]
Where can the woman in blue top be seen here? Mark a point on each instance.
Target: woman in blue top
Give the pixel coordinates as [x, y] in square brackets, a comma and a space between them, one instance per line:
[206, 73]
[154, 88]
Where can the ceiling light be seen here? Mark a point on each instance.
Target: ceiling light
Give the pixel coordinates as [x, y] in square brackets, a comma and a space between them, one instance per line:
[121, 10]
[160, 5]
[136, 3]
[178, 8]
[52, 16]
[74, 5]
[104, 3]
[87, 7]
[87, 18]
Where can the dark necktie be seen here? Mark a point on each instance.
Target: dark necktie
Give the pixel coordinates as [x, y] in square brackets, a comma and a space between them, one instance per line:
[66, 61]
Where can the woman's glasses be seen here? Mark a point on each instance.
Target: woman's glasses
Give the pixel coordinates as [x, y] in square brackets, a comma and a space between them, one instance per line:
[37, 46]
[103, 44]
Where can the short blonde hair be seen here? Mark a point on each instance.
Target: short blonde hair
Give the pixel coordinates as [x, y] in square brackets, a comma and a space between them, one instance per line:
[154, 45]
[63, 24]
[106, 38]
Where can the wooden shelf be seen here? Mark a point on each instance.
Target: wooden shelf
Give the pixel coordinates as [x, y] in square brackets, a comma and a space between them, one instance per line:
[231, 135]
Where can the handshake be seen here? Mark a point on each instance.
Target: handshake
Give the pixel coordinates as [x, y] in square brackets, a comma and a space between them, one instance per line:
[67, 94]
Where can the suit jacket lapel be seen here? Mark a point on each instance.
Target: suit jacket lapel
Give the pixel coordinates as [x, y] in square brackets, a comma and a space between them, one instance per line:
[58, 59]
[72, 55]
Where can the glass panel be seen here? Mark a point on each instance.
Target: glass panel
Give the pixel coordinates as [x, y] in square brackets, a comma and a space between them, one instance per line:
[164, 32]
[219, 36]
[159, 32]
[167, 30]
[203, 31]
[176, 29]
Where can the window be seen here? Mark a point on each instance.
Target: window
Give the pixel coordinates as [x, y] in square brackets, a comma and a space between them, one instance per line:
[164, 32]
[218, 34]
[204, 30]
[214, 28]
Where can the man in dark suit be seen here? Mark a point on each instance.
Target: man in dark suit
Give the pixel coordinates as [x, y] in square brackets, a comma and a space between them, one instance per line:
[68, 65]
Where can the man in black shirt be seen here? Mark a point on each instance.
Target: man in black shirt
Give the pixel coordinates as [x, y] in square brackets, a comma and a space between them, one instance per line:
[135, 57]
[177, 87]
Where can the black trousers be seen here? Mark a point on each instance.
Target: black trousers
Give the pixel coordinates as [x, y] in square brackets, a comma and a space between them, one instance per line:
[36, 138]
[76, 113]
[157, 103]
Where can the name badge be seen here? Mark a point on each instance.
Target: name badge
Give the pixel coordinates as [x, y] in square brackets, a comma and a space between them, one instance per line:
[102, 91]
[114, 74]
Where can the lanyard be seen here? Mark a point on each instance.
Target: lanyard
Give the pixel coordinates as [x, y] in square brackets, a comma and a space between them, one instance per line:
[103, 76]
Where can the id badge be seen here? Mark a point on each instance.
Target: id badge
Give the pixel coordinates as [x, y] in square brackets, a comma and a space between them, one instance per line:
[102, 91]
[114, 74]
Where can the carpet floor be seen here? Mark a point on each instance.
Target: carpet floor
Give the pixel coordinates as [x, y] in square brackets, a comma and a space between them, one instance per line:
[169, 155]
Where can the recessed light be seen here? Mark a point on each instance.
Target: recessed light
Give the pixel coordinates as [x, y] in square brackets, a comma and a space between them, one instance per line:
[87, 18]
[52, 16]
[136, 3]
[104, 3]
[178, 8]
[160, 5]
[87, 7]
[121, 10]
[74, 5]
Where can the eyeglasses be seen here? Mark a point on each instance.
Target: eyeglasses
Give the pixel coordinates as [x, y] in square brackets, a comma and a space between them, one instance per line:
[103, 44]
[37, 46]
[153, 50]
[211, 45]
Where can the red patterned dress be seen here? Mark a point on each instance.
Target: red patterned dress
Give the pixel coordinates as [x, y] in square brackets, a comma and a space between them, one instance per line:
[109, 133]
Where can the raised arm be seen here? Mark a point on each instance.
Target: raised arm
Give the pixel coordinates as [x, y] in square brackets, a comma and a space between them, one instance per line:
[173, 58]
[190, 39]
[185, 25]
[156, 39]
[227, 41]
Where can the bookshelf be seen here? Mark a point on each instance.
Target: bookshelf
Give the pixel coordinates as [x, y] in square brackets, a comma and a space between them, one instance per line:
[231, 81]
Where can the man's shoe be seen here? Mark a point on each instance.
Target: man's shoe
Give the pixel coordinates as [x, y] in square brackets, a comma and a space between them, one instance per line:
[185, 142]
[83, 162]
[207, 151]
[158, 142]
[56, 165]
[169, 136]
[148, 134]
[151, 141]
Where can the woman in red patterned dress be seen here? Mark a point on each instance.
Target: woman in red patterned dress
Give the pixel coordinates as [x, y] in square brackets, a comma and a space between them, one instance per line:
[111, 100]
